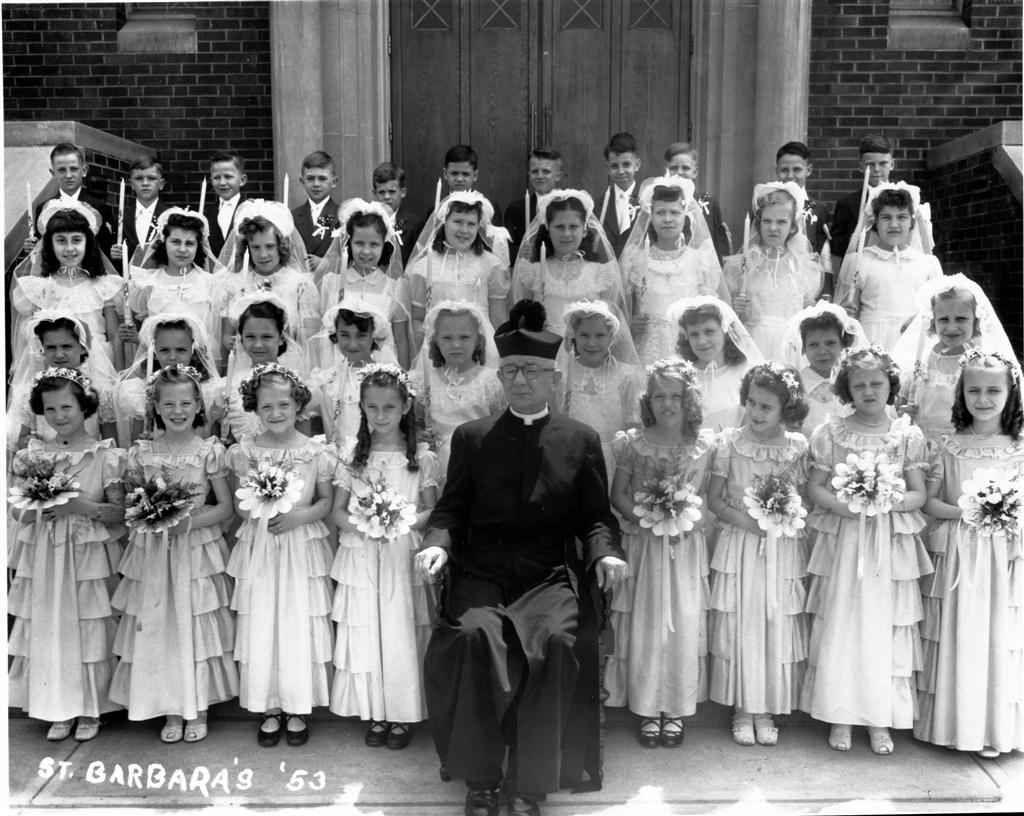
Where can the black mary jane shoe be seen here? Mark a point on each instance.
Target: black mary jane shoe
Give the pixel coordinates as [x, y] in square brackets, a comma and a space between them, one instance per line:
[377, 733]
[521, 806]
[300, 737]
[399, 736]
[671, 732]
[650, 732]
[268, 739]
[481, 803]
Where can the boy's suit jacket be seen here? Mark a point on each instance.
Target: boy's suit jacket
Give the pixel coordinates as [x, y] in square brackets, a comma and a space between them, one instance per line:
[105, 237]
[303, 216]
[217, 238]
[408, 225]
[130, 237]
[611, 216]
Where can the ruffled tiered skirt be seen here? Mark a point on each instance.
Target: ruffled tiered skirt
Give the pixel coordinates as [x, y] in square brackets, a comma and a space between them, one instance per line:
[970, 691]
[383, 625]
[759, 631]
[176, 637]
[282, 600]
[63, 632]
[866, 606]
[660, 624]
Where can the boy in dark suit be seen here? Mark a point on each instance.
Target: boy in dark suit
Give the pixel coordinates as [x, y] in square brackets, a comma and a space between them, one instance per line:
[544, 171]
[389, 189]
[146, 175]
[68, 166]
[619, 203]
[227, 177]
[460, 174]
[317, 219]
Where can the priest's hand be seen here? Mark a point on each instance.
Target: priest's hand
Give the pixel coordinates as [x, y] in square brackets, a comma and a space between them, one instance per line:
[431, 561]
[610, 572]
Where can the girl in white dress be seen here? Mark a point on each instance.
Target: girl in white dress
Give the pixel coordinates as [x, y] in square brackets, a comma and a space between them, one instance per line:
[669, 255]
[380, 605]
[566, 257]
[281, 566]
[454, 375]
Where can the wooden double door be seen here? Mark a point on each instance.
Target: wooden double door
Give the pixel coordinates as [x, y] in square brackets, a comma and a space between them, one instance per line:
[506, 76]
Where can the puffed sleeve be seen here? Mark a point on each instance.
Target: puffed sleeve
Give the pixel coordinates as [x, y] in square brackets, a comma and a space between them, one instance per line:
[630, 389]
[916, 450]
[130, 400]
[821, 452]
[114, 465]
[722, 456]
[732, 271]
[416, 275]
[401, 303]
[430, 467]
[936, 465]
[623, 451]
[343, 468]
[326, 460]
[238, 460]
[216, 463]
[498, 280]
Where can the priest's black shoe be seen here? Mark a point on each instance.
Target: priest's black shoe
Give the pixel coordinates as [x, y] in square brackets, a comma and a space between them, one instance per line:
[481, 802]
[521, 806]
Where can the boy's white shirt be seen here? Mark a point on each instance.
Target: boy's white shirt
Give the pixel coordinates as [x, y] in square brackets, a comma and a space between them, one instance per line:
[622, 205]
[74, 197]
[226, 212]
[316, 209]
[144, 218]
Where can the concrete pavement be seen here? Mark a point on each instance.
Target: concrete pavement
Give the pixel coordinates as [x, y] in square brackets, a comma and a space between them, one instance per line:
[127, 770]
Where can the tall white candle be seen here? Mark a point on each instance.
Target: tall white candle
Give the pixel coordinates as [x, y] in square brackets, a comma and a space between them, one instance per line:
[120, 214]
[526, 211]
[202, 196]
[31, 214]
[284, 198]
[437, 196]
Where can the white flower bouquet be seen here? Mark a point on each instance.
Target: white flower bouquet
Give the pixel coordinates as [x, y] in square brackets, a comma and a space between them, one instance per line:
[156, 504]
[991, 503]
[38, 485]
[269, 489]
[667, 506]
[868, 483]
[378, 512]
[774, 503]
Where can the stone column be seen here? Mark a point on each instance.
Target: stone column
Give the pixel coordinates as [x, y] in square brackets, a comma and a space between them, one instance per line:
[331, 89]
[783, 76]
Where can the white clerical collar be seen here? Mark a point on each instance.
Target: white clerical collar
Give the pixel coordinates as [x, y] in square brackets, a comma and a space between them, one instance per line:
[529, 419]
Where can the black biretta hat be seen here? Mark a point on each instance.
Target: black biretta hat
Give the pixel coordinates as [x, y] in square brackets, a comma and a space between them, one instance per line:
[524, 333]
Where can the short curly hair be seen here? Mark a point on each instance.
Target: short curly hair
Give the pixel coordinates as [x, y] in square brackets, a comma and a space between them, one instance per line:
[180, 221]
[826, 321]
[777, 197]
[900, 199]
[863, 359]
[257, 223]
[370, 219]
[363, 323]
[172, 375]
[71, 221]
[88, 401]
[698, 314]
[784, 382]
[954, 292]
[1012, 418]
[62, 324]
[249, 389]
[265, 310]
[478, 246]
[683, 372]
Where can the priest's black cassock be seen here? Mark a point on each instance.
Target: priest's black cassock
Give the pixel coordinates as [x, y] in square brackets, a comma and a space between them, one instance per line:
[518, 620]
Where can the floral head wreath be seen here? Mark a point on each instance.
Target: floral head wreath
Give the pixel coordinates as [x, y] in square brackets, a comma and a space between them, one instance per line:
[190, 372]
[243, 302]
[976, 354]
[791, 187]
[591, 308]
[275, 212]
[54, 206]
[852, 355]
[161, 222]
[470, 198]
[269, 368]
[683, 369]
[357, 206]
[646, 198]
[563, 195]
[392, 370]
[786, 376]
[900, 186]
[63, 374]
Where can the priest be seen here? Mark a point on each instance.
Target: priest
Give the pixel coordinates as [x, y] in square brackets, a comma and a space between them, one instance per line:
[525, 532]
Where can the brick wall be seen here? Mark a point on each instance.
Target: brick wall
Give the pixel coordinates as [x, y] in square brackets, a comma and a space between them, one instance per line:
[919, 99]
[61, 62]
[980, 220]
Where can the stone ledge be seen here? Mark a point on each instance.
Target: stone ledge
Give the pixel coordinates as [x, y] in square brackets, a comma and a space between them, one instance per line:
[158, 34]
[1001, 133]
[927, 32]
[33, 134]
[1009, 163]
